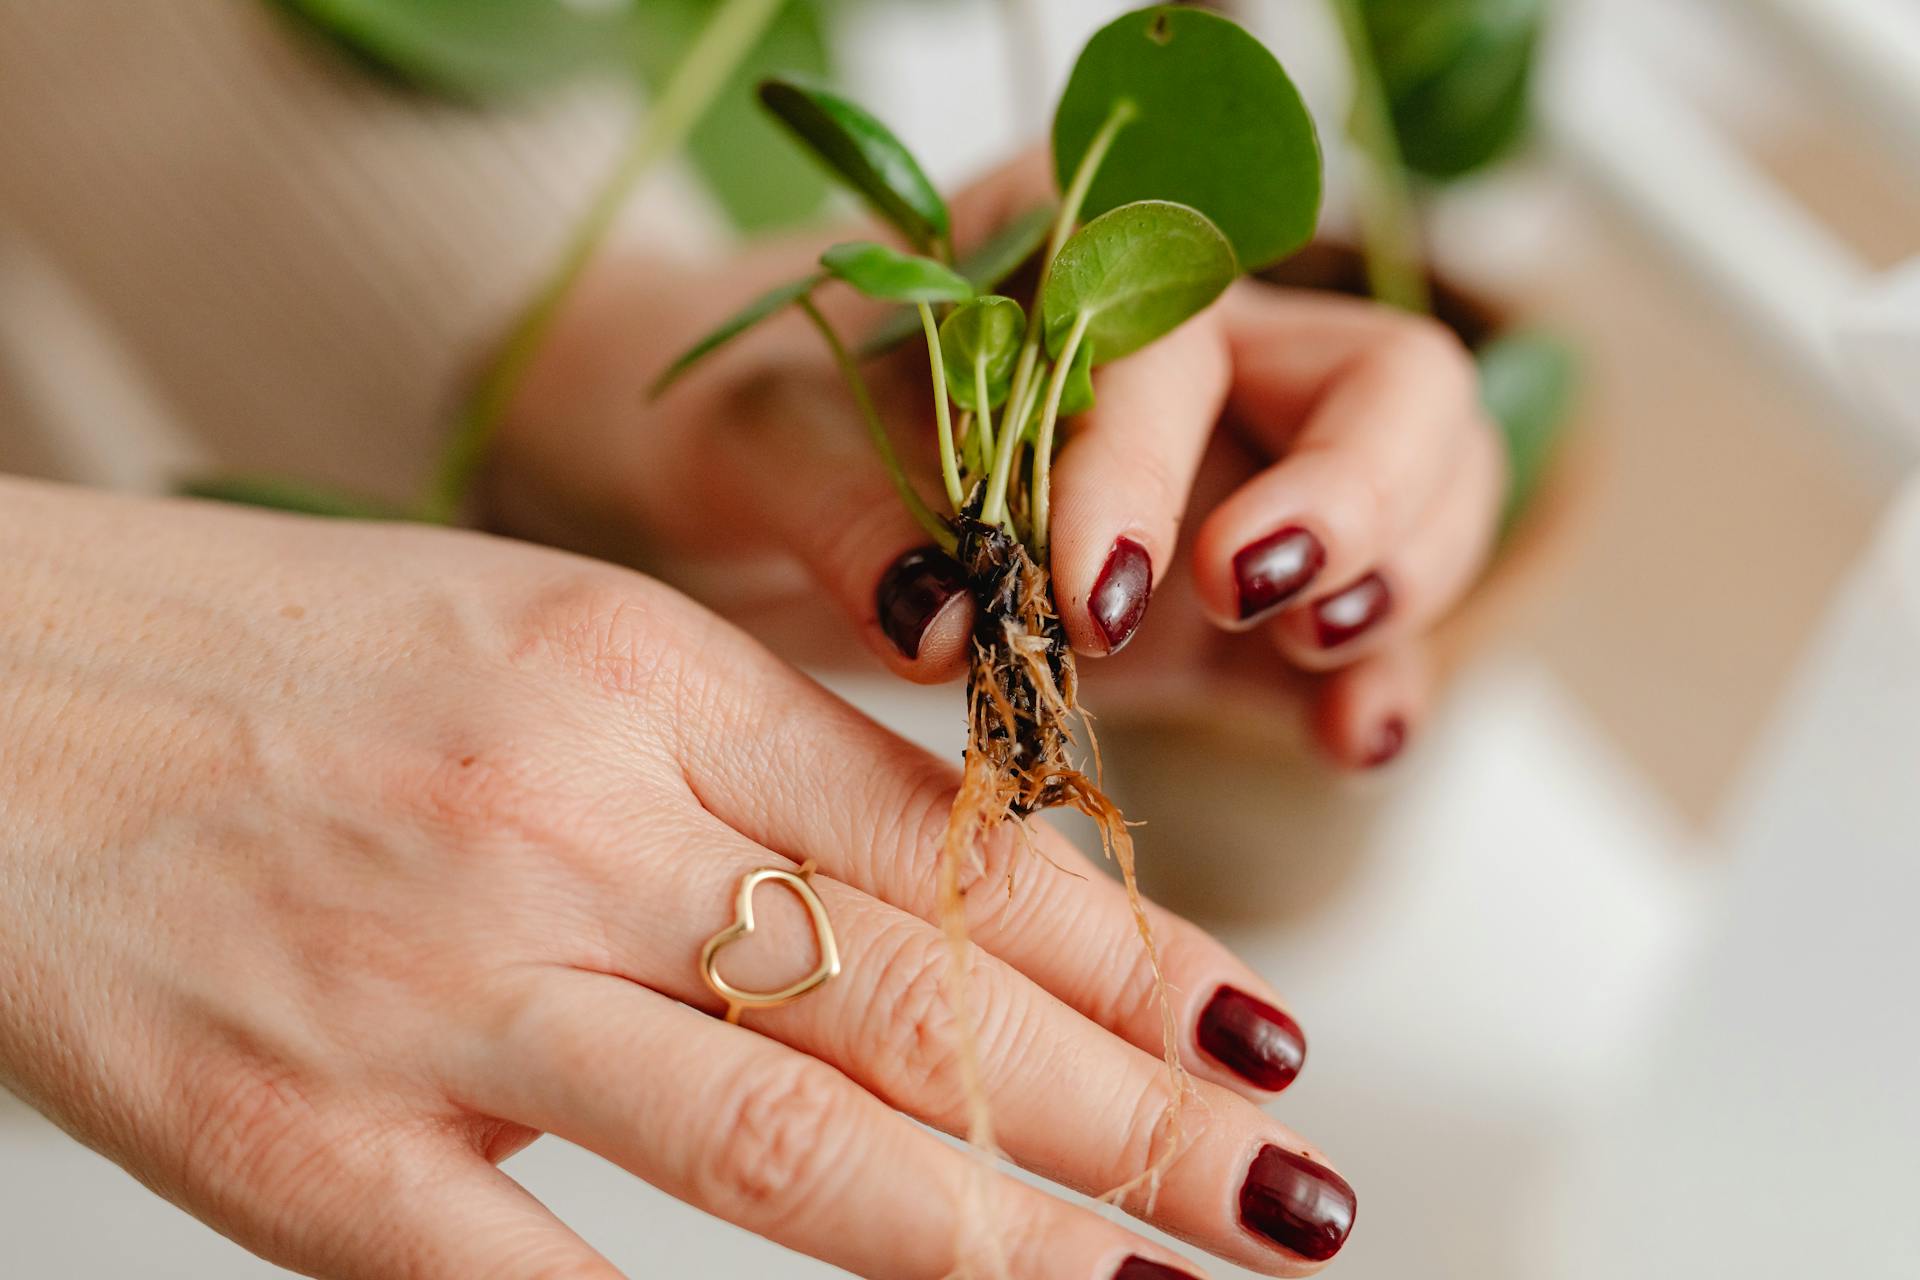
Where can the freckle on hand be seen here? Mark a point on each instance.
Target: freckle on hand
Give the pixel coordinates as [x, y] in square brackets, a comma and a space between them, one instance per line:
[294, 612]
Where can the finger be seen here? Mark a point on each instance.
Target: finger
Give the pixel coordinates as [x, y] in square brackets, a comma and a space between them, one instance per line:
[1366, 715]
[1121, 483]
[1418, 581]
[826, 782]
[1368, 405]
[427, 1209]
[1068, 1099]
[799, 472]
[773, 1141]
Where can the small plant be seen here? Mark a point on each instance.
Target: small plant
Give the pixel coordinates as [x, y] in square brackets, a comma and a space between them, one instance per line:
[1184, 157]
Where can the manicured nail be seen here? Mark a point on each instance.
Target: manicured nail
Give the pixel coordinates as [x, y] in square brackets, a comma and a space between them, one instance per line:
[1138, 1268]
[1388, 743]
[1339, 619]
[1119, 598]
[912, 593]
[1252, 1039]
[1274, 570]
[1301, 1206]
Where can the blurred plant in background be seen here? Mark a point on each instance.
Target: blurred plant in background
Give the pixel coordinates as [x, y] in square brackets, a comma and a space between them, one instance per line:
[1442, 92]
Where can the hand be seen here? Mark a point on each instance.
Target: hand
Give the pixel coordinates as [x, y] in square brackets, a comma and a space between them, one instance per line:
[1366, 484]
[337, 861]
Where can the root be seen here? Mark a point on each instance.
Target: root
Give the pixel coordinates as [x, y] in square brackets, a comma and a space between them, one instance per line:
[1022, 707]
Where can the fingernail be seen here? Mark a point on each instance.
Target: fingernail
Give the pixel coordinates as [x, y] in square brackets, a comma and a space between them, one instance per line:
[1339, 619]
[1252, 1039]
[1388, 743]
[1138, 1268]
[912, 592]
[1120, 596]
[1274, 570]
[1301, 1206]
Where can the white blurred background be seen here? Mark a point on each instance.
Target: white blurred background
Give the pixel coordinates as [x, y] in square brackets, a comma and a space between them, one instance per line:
[1616, 976]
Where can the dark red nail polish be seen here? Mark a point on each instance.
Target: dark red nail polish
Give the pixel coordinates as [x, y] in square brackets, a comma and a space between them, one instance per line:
[912, 593]
[1340, 618]
[1252, 1039]
[1301, 1206]
[1388, 743]
[1119, 598]
[1274, 570]
[1138, 1268]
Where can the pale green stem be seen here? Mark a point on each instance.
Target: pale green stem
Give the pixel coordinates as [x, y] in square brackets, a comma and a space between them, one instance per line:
[984, 426]
[1043, 446]
[722, 45]
[994, 511]
[942, 412]
[968, 437]
[939, 530]
[1389, 222]
[1024, 388]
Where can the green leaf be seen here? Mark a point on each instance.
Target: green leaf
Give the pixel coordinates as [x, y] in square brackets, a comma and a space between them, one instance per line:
[767, 304]
[1137, 273]
[1216, 125]
[477, 48]
[1458, 75]
[1527, 382]
[864, 154]
[892, 276]
[277, 494]
[746, 160]
[986, 330]
[986, 267]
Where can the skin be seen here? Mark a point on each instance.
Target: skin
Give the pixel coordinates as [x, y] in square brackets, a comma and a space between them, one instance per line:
[338, 861]
[1272, 409]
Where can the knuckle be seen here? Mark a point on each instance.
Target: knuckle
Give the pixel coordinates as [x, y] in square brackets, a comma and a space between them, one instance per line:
[914, 1026]
[242, 1140]
[917, 1029]
[606, 630]
[779, 1138]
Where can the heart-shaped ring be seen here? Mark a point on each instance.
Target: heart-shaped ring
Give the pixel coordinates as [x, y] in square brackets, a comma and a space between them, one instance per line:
[738, 999]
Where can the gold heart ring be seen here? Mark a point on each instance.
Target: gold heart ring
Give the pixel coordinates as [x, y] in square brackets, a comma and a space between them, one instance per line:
[738, 999]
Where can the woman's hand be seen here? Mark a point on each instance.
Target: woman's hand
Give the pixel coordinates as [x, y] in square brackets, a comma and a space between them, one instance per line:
[1348, 508]
[337, 861]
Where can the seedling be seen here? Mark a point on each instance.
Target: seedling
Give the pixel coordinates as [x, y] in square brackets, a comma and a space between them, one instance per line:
[1185, 157]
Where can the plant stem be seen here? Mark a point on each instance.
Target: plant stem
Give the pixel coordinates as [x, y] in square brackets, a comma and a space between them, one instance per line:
[994, 510]
[1043, 446]
[939, 530]
[1024, 387]
[735, 28]
[1389, 223]
[984, 426]
[942, 411]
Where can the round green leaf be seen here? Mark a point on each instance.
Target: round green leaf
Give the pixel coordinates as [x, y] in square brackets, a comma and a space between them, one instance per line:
[1527, 382]
[1458, 76]
[767, 304]
[986, 330]
[1137, 272]
[1216, 125]
[863, 153]
[987, 266]
[892, 276]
